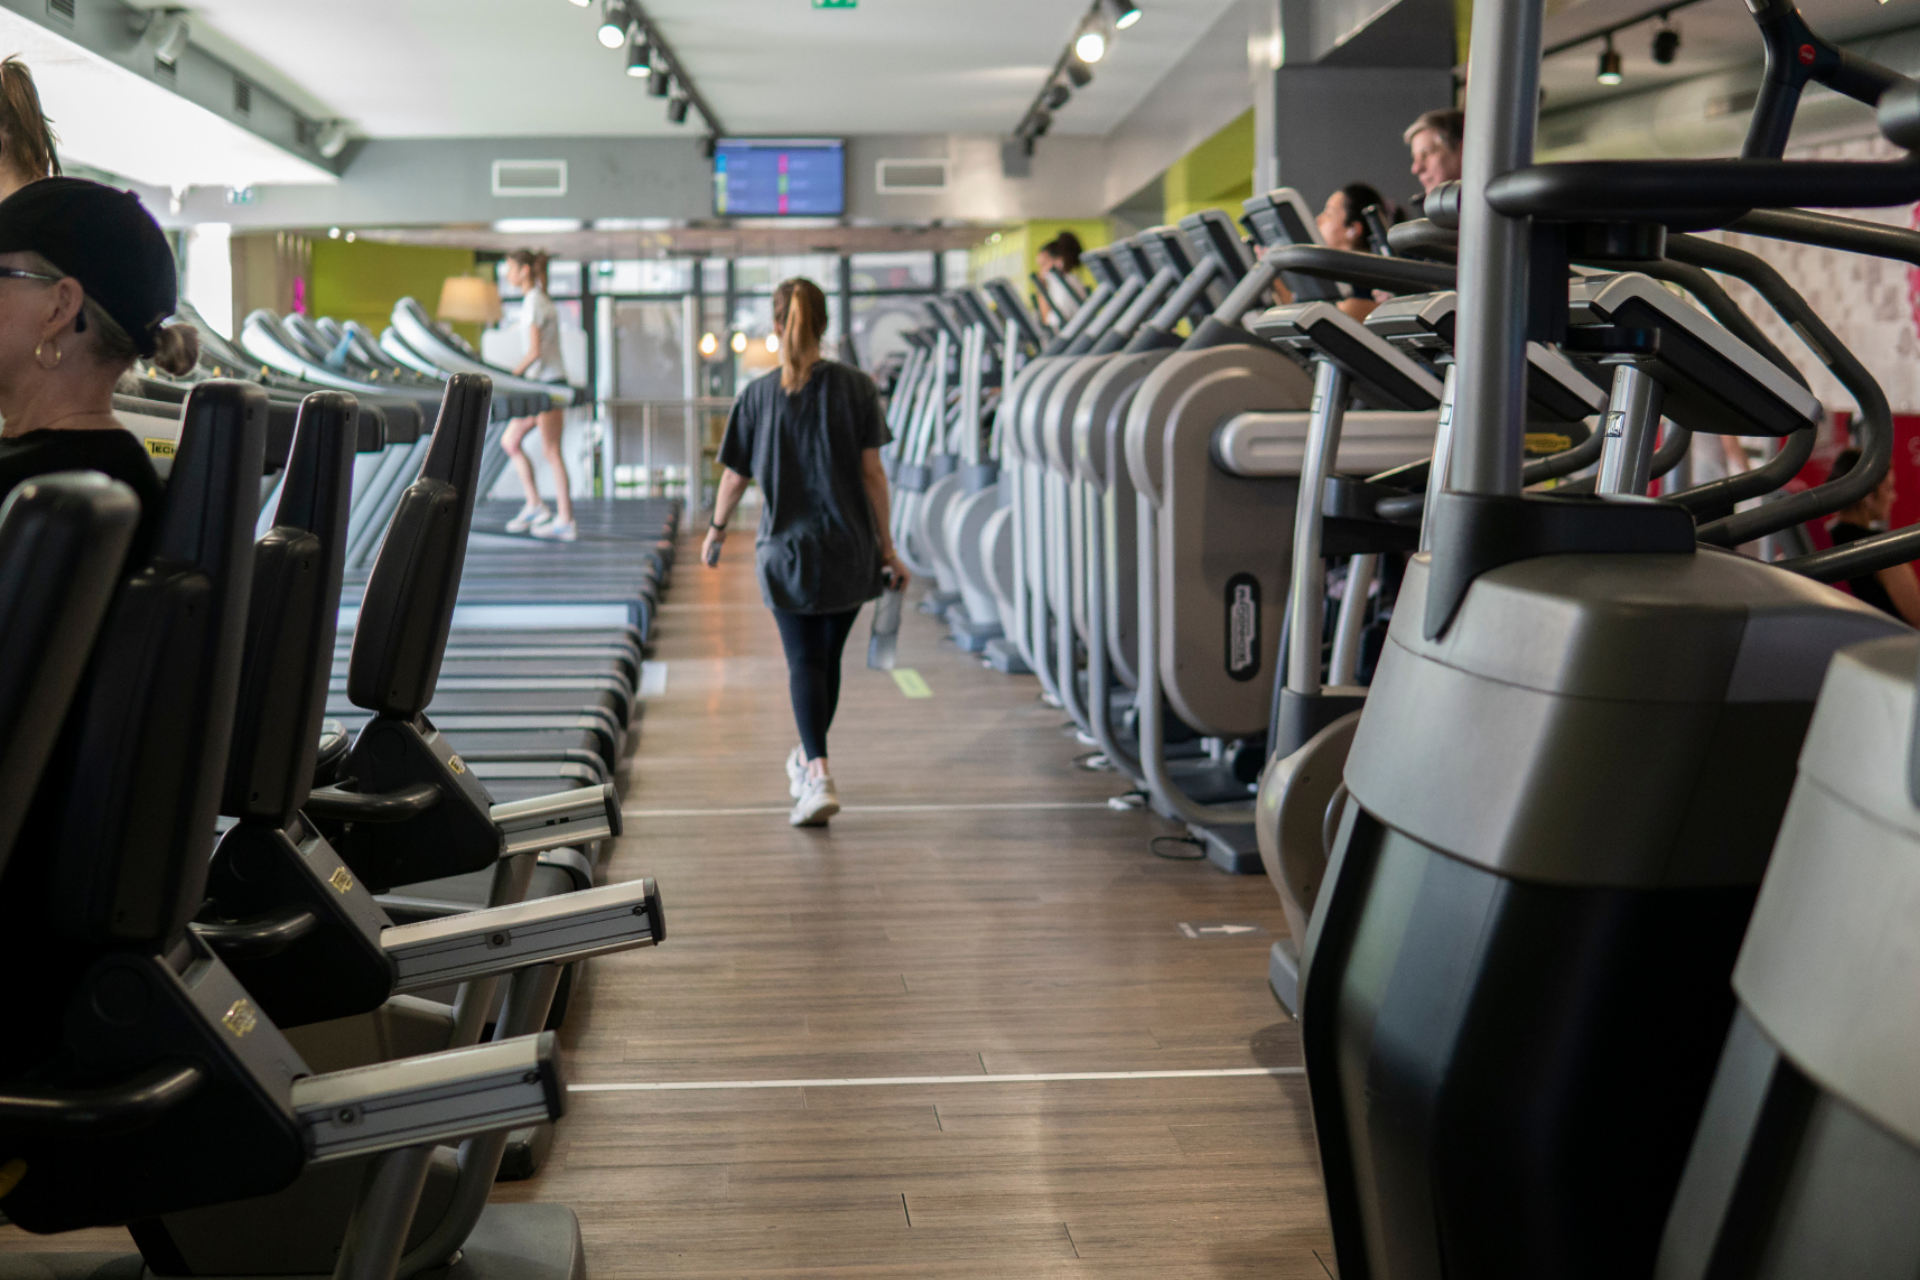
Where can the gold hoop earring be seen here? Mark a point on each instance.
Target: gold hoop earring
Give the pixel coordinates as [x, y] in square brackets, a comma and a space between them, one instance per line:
[58, 356]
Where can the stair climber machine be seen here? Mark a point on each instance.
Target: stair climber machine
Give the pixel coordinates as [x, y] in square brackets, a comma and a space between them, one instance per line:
[1012, 652]
[139, 1077]
[1046, 423]
[1208, 604]
[975, 535]
[1576, 753]
[1098, 445]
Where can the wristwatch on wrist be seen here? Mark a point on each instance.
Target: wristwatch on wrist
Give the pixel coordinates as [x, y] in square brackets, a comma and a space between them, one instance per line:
[717, 528]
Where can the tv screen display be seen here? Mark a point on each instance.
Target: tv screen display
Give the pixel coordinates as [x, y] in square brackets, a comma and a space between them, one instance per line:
[779, 178]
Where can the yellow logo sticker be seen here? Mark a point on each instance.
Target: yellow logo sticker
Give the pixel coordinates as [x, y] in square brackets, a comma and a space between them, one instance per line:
[240, 1019]
[456, 764]
[159, 447]
[341, 879]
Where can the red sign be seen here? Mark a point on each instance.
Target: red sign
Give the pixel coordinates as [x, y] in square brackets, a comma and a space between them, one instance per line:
[1806, 55]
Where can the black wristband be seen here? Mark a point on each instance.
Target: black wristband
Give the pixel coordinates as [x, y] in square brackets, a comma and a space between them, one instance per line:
[717, 528]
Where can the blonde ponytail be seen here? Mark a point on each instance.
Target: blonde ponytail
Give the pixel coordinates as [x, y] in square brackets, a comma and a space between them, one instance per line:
[800, 314]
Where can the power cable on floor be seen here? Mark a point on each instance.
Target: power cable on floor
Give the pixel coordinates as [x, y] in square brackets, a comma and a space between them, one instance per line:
[1158, 844]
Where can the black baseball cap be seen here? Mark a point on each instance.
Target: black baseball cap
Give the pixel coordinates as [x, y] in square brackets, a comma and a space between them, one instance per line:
[105, 239]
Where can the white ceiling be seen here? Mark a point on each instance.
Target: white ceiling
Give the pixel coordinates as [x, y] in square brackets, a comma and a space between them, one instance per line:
[1714, 34]
[108, 118]
[486, 68]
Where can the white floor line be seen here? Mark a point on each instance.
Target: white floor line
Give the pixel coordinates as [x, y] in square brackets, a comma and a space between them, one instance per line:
[1039, 1077]
[1041, 805]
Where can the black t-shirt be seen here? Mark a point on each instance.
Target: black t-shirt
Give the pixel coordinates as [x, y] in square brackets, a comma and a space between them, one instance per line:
[113, 451]
[1867, 590]
[818, 550]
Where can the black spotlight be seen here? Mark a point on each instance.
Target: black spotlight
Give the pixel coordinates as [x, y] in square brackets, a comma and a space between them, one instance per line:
[1666, 45]
[1079, 72]
[709, 145]
[639, 58]
[677, 109]
[660, 82]
[1026, 145]
[1057, 96]
[1040, 123]
[1609, 70]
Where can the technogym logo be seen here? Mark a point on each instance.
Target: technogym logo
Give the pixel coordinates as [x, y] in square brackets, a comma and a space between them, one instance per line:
[1243, 626]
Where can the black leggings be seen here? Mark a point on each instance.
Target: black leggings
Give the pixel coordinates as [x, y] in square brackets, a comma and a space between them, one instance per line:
[814, 643]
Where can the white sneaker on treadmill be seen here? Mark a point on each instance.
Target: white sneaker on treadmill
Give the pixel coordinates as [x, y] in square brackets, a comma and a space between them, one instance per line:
[818, 802]
[557, 531]
[528, 518]
[796, 771]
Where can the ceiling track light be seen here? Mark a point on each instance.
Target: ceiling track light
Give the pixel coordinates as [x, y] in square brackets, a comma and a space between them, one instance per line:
[639, 57]
[1040, 122]
[677, 109]
[614, 22]
[581, 4]
[660, 83]
[165, 32]
[1091, 44]
[331, 139]
[1124, 13]
[1057, 96]
[1609, 70]
[1079, 72]
[1666, 42]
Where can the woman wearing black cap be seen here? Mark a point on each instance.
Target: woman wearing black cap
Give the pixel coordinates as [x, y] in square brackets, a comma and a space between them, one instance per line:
[86, 285]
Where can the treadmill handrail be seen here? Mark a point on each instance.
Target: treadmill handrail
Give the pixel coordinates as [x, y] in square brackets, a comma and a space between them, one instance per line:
[114, 1108]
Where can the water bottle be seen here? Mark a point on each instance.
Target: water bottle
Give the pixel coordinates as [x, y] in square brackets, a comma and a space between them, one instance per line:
[886, 626]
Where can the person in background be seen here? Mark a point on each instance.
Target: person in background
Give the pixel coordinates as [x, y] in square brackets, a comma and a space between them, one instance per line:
[1435, 140]
[527, 270]
[810, 434]
[1896, 590]
[1062, 254]
[26, 139]
[1342, 227]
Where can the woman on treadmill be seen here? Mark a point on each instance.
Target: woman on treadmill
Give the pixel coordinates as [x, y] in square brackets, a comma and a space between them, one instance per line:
[86, 287]
[527, 270]
[810, 433]
[26, 140]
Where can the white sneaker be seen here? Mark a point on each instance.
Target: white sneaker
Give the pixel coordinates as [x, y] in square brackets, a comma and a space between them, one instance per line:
[796, 771]
[818, 802]
[528, 517]
[557, 531]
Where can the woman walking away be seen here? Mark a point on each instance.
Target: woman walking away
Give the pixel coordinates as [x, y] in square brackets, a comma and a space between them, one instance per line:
[527, 270]
[811, 435]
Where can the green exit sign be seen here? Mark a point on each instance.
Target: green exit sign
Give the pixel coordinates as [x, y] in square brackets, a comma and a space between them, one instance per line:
[836, 4]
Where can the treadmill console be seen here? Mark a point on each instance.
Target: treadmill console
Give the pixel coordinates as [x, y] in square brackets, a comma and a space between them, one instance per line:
[1100, 264]
[1166, 247]
[1008, 304]
[1210, 232]
[1280, 218]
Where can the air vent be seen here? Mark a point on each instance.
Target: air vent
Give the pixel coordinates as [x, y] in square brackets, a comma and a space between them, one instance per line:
[529, 177]
[910, 177]
[242, 97]
[61, 9]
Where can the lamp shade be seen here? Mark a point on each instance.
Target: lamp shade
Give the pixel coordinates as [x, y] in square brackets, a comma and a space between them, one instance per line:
[469, 300]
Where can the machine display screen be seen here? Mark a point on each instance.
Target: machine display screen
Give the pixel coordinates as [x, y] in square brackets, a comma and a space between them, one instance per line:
[779, 177]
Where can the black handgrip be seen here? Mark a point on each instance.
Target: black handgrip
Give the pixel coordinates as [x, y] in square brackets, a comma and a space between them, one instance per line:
[1368, 270]
[112, 1108]
[1858, 559]
[1697, 193]
[1424, 238]
[1827, 231]
[262, 936]
[376, 806]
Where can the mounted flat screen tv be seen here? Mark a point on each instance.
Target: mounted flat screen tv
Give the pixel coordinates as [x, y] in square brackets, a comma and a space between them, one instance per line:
[779, 178]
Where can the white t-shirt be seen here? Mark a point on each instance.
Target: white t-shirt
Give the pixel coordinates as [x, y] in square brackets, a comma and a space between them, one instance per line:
[539, 315]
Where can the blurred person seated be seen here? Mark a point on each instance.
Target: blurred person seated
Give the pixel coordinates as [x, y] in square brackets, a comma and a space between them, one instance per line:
[1895, 591]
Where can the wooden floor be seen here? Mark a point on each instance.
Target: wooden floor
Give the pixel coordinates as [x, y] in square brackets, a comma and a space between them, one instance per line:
[927, 934]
